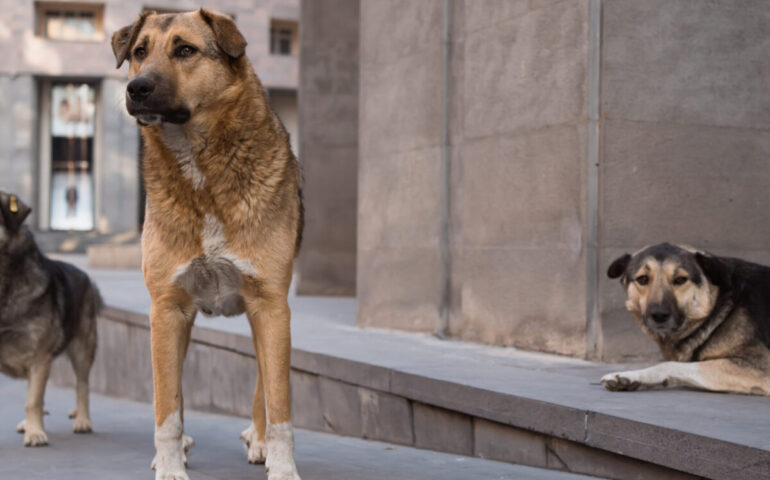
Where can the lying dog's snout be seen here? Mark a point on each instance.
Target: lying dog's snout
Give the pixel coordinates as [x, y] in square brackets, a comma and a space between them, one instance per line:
[659, 314]
[140, 88]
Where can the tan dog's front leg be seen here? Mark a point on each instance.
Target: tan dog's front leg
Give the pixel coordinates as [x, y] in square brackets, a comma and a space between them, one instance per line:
[254, 436]
[270, 320]
[716, 375]
[34, 435]
[169, 327]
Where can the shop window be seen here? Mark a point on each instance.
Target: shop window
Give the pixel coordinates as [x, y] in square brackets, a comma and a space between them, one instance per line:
[72, 117]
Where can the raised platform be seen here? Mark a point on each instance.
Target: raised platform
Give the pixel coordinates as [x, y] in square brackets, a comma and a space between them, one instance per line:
[497, 403]
[121, 447]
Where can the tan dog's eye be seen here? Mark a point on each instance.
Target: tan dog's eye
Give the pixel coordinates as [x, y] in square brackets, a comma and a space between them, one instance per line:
[680, 281]
[642, 280]
[185, 51]
[140, 53]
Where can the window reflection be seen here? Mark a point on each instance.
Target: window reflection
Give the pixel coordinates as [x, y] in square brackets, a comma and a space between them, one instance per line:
[72, 140]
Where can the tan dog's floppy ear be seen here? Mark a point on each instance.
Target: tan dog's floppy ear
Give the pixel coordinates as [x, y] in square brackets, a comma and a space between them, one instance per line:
[14, 211]
[618, 267]
[228, 37]
[124, 39]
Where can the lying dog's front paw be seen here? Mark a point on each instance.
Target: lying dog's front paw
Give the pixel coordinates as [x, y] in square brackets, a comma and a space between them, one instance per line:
[20, 426]
[35, 438]
[82, 425]
[620, 381]
[256, 450]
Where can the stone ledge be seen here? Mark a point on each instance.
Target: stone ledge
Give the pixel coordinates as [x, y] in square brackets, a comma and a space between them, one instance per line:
[360, 399]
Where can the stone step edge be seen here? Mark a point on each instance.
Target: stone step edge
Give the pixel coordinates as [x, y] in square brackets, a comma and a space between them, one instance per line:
[683, 451]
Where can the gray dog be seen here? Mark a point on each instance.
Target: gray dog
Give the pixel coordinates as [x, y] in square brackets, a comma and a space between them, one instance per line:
[46, 308]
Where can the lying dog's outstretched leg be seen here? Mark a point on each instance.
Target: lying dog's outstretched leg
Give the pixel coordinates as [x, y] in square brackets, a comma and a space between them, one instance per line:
[270, 317]
[254, 436]
[34, 435]
[168, 334]
[721, 375]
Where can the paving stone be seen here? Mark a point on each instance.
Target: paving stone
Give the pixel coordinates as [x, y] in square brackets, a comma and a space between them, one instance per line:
[577, 458]
[443, 430]
[386, 417]
[306, 409]
[496, 441]
[341, 407]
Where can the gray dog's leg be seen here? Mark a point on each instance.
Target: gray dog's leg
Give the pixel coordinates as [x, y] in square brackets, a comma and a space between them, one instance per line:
[34, 435]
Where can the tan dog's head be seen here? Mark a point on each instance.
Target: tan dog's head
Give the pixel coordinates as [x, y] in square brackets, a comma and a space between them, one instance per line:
[671, 289]
[179, 63]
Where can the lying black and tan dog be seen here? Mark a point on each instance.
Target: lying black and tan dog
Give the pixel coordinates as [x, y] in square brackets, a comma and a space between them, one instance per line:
[224, 217]
[709, 315]
[46, 308]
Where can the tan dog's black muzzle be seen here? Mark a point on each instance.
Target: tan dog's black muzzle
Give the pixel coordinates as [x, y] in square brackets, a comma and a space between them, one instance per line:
[140, 88]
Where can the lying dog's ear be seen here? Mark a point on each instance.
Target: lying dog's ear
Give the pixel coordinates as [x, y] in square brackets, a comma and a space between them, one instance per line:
[228, 37]
[716, 270]
[123, 40]
[618, 267]
[14, 212]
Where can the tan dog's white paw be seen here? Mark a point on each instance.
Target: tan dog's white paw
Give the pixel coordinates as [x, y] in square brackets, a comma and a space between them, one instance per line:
[187, 444]
[256, 450]
[280, 453]
[20, 426]
[35, 438]
[171, 475]
[621, 381]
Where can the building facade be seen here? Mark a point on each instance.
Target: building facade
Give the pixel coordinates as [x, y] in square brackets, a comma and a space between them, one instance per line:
[67, 145]
[507, 151]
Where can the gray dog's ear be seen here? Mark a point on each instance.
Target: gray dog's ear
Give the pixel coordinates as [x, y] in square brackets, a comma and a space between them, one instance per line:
[228, 37]
[124, 39]
[618, 267]
[14, 212]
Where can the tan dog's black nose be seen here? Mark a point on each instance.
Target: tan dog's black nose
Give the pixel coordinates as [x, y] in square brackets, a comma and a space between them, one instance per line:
[140, 88]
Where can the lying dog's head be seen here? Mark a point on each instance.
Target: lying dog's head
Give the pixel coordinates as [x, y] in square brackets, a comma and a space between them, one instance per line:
[179, 63]
[13, 212]
[671, 289]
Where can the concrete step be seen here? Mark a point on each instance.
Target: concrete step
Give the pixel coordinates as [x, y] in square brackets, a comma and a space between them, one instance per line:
[498, 403]
[121, 448]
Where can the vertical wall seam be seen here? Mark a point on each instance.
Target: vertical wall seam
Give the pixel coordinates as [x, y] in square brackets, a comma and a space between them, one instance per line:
[593, 325]
[445, 180]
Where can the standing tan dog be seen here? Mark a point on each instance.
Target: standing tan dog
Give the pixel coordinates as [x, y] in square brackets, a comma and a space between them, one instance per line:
[224, 217]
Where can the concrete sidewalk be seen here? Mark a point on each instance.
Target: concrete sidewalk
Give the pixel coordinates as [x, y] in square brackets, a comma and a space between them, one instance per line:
[121, 447]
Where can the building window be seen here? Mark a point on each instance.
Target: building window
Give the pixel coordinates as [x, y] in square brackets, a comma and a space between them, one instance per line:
[71, 117]
[70, 21]
[283, 37]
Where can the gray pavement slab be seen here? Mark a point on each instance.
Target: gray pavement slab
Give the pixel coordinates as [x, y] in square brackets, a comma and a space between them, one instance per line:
[121, 447]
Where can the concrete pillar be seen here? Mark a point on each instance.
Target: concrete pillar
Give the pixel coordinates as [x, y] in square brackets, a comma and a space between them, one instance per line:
[118, 162]
[685, 139]
[18, 139]
[328, 122]
[399, 260]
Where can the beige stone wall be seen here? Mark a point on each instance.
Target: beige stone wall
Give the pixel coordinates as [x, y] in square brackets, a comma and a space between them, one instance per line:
[580, 129]
[328, 116]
